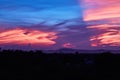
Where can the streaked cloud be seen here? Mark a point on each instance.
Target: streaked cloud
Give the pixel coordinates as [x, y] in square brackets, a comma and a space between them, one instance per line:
[29, 12]
[97, 9]
[26, 36]
[106, 17]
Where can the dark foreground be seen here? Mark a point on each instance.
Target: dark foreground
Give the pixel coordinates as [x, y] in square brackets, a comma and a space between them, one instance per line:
[20, 65]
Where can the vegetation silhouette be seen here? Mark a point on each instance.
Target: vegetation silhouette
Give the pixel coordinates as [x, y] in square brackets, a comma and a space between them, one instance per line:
[36, 65]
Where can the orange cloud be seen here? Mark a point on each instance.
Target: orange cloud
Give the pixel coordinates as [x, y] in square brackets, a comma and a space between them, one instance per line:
[110, 35]
[98, 9]
[109, 11]
[106, 27]
[111, 38]
[26, 36]
[68, 45]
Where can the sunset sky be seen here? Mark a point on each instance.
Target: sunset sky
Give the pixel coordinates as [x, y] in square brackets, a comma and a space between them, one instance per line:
[54, 24]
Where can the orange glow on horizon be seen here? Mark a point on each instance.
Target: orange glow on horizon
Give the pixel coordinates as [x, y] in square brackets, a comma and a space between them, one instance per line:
[26, 36]
[68, 45]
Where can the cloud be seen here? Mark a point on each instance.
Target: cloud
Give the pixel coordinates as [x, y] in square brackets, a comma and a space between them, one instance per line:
[68, 45]
[101, 9]
[104, 17]
[25, 36]
[27, 12]
[60, 23]
[51, 16]
[112, 38]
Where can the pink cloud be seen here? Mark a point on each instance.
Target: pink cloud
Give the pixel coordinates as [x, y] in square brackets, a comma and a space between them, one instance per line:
[109, 11]
[68, 45]
[25, 36]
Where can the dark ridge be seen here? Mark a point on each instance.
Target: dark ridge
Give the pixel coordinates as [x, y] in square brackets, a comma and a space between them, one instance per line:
[37, 65]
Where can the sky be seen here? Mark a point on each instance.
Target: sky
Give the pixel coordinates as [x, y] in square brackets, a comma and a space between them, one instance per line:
[54, 24]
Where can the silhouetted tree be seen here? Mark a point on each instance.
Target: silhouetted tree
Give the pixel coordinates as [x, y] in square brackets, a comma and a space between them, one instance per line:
[36, 64]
